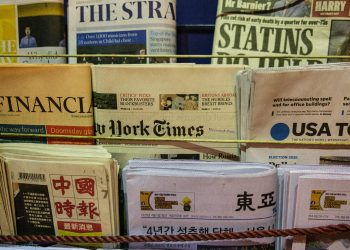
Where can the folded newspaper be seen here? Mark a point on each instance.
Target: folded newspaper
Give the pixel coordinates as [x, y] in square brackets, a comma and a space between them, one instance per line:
[297, 104]
[167, 102]
[58, 190]
[310, 30]
[184, 197]
[295, 209]
[46, 99]
[32, 27]
[323, 200]
[122, 27]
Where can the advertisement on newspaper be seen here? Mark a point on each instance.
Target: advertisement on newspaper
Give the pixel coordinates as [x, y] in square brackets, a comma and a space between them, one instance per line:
[122, 27]
[32, 27]
[281, 28]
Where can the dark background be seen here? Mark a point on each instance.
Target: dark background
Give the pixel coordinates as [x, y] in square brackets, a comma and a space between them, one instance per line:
[195, 28]
[41, 29]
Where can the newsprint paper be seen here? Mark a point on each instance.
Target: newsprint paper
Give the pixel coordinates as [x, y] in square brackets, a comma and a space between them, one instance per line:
[46, 99]
[122, 27]
[166, 101]
[58, 190]
[32, 27]
[323, 200]
[184, 197]
[301, 104]
[282, 28]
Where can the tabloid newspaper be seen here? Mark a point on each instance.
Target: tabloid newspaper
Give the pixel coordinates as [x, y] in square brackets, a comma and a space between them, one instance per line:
[46, 99]
[166, 101]
[122, 27]
[184, 197]
[283, 28]
[300, 104]
[58, 190]
[32, 27]
[323, 200]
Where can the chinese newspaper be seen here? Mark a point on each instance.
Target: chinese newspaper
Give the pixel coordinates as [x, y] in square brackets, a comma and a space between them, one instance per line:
[46, 99]
[70, 192]
[122, 27]
[191, 197]
[32, 27]
[306, 28]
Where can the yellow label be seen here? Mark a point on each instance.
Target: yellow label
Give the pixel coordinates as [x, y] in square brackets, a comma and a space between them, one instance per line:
[315, 203]
[145, 200]
[331, 202]
[8, 32]
[40, 9]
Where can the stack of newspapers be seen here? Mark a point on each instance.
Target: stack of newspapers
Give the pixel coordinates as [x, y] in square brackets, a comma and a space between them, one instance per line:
[187, 197]
[311, 196]
[306, 105]
[58, 190]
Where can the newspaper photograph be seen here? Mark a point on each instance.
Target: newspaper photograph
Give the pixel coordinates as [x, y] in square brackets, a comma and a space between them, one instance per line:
[32, 27]
[173, 199]
[312, 28]
[46, 99]
[122, 27]
[187, 101]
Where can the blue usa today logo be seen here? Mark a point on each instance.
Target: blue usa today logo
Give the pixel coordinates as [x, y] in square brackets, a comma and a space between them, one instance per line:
[279, 131]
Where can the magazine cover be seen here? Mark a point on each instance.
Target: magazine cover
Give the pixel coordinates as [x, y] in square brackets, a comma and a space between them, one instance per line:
[32, 27]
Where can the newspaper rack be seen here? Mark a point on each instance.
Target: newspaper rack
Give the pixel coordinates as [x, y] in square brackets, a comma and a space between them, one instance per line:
[299, 234]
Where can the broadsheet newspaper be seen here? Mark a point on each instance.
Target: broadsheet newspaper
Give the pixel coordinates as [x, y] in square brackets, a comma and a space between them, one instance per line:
[187, 197]
[46, 99]
[281, 28]
[58, 190]
[32, 27]
[302, 104]
[122, 27]
[323, 200]
[166, 101]
[288, 178]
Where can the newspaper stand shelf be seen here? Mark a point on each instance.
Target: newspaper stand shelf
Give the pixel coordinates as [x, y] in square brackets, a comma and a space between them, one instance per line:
[299, 234]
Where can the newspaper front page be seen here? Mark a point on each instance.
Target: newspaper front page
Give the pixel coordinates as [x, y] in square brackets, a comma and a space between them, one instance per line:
[167, 101]
[189, 197]
[299, 104]
[122, 27]
[32, 27]
[46, 99]
[302, 104]
[60, 197]
[323, 200]
[309, 28]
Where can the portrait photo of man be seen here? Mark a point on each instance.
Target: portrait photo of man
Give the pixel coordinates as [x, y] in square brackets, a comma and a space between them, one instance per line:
[28, 41]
